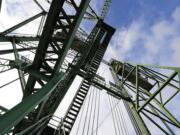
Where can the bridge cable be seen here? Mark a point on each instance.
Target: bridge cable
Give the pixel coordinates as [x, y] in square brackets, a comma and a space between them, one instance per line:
[83, 108]
[87, 111]
[123, 123]
[137, 130]
[107, 115]
[112, 109]
[99, 99]
[94, 114]
[117, 117]
[123, 120]
[90, 112]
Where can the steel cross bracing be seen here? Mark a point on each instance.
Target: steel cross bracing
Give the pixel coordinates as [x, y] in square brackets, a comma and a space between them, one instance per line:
[4, 65]
[147, 85]
[54, 23]
[87, 71]
[50, 76]
[78, 100]
[51, 105]
[42, 69]
[101, 33]
[18, 62]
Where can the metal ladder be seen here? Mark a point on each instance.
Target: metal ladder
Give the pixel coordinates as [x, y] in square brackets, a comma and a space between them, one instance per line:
[81, 93]
[75, 106]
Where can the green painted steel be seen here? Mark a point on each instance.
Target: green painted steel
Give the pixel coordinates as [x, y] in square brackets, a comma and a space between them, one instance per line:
[20, 72]
[157, 91]
[17, 113]
[164, 110]
[138, 122]
[83, 6]
[177, 69]
[150, 96]
[18, 38]
[137, 88]
[13, 116]
[42, 97]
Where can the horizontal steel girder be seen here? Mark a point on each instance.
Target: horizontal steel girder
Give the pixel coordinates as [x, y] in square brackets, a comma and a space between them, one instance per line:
[17, 113]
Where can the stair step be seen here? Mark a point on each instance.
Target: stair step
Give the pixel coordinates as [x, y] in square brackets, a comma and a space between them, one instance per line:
[75, 110]
[82, 91]
[97, 59]
[67, 126]
[73, 114]
[71, 118]
[68, 122]
[92, 69]
[81, 94]
[84, 88]
[86, 82]
[67, 131]
[81, 98]
[85, 85]
[78, 107]
[95, 64]
[78, 102]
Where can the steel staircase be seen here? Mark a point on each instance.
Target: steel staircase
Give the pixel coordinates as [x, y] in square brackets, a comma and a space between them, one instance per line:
[81, 93]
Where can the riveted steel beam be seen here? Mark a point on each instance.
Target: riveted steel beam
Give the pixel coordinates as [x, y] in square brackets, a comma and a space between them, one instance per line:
[17, 113]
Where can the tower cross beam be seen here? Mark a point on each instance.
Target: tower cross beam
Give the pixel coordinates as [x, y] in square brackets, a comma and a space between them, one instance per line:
[159, 90]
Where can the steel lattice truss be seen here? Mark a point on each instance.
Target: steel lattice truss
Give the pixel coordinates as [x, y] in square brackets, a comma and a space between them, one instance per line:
[147, 88]
[59, 52]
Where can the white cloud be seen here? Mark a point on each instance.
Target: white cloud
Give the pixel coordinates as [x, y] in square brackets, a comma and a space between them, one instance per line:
[14, 12]
[97, 5]
[124, 40]
[121, 44]
[175, 15]
[157, 41]
[176, 50]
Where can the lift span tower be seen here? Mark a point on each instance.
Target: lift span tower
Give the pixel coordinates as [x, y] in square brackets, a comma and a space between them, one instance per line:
[59, 52]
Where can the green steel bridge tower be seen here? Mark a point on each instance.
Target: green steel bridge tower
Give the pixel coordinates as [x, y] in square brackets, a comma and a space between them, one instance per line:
[59, 52]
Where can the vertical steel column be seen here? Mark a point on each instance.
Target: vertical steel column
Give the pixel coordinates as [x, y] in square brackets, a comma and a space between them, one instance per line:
[17, 113]
[44, 72]
[135, 118]
[137, 88]
[20, 72]
[98, 47]
[143, 84]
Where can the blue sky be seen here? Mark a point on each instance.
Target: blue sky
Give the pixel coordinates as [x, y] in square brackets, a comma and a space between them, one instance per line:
[123, 12]
[147, 31]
